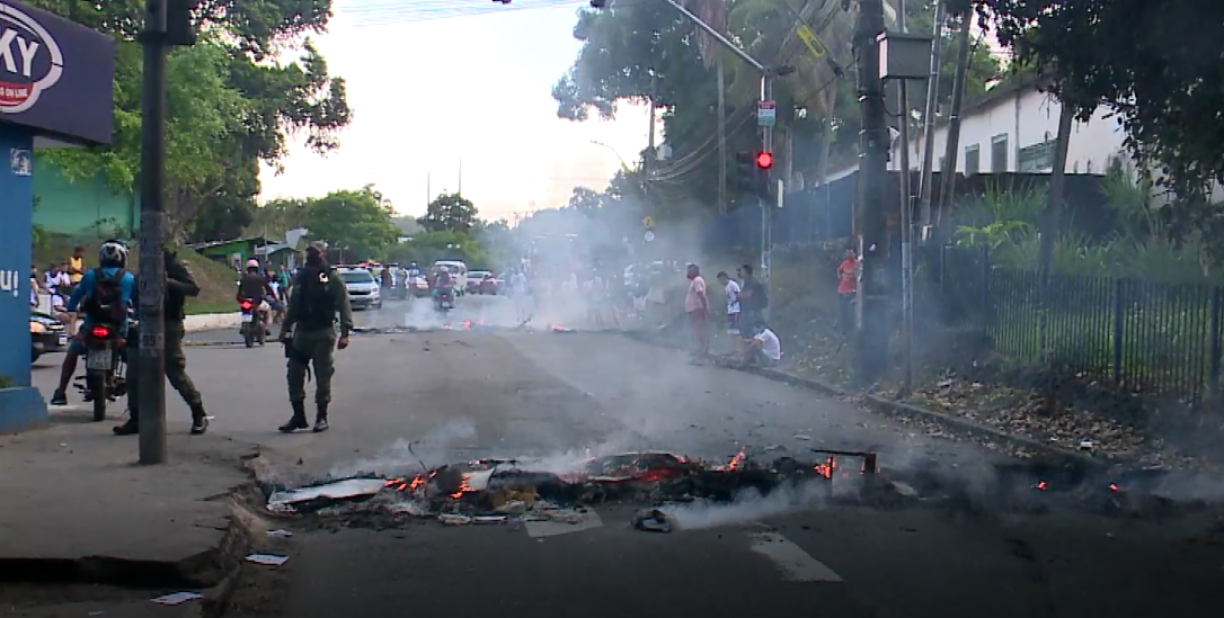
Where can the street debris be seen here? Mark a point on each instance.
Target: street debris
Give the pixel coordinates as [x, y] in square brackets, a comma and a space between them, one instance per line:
[546, 503]
[653, 520]
[267, 559]
[178, 598]
[279, 534]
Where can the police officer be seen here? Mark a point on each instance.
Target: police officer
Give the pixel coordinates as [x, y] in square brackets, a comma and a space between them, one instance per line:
[309, 334]
[180, 284]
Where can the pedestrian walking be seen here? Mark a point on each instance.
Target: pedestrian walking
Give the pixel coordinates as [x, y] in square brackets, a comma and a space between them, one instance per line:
[309, 334]
[180, 285]
[847, 290]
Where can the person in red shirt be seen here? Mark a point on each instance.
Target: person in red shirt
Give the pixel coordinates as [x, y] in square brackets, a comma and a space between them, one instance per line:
[847, 286]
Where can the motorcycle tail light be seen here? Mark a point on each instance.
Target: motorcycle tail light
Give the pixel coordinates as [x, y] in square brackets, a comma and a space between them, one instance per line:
[246, 306]
[101, 332]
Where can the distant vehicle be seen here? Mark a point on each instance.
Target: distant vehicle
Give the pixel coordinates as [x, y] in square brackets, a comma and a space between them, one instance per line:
[474, 279]
[364, 291]
[491, 285]
[418, 286]
[458, 272]
[47, 334]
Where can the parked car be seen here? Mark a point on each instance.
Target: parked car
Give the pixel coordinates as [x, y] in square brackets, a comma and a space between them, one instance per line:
[364, 291]
[418, 286]
[47, 335]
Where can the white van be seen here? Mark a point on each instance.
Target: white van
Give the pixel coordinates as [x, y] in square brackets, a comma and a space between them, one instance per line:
[458, 272]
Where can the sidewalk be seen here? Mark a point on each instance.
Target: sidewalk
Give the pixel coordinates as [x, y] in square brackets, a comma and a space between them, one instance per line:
[76, 502]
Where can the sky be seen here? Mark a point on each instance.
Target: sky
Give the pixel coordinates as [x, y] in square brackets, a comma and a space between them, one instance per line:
[440, 85]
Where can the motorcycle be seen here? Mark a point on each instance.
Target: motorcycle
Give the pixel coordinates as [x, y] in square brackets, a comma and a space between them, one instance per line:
[253, 325]
[105, 366]
[445, 300]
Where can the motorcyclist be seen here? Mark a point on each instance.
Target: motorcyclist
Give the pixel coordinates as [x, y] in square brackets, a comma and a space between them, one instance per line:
[112, 264]
[255, 286]
[443, 283]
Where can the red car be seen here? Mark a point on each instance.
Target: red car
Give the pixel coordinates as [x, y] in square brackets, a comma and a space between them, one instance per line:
[482, 282]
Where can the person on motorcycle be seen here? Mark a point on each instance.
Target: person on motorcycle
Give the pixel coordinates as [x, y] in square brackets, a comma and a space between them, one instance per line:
[414, 271]
[87, 300]
[255, 286]
[443, 283]
[277, 300]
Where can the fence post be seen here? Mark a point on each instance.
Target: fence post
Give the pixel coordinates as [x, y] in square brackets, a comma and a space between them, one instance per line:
[1217, 300]
[985, 291]
[1119, 317]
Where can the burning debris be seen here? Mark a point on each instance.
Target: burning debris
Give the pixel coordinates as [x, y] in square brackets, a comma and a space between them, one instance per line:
[502, 491]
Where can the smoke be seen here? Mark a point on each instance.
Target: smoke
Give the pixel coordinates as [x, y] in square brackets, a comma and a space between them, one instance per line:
[748, 506]
[405, 455]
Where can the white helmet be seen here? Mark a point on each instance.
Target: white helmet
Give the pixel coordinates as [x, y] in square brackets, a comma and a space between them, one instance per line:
[113, 252]
[252, 263]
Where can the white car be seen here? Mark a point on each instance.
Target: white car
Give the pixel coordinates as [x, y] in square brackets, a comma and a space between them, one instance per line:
[458, 272]
[363, 289]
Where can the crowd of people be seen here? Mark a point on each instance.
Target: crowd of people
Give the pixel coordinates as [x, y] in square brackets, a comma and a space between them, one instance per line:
[753, 343]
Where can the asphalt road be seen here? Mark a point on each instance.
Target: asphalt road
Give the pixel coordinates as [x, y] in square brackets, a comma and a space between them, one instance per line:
[475, 392]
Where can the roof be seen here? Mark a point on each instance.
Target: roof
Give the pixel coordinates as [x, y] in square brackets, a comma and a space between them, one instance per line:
[220, 243]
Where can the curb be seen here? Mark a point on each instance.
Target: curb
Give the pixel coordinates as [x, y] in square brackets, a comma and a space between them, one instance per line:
[210, 321]
[897, 409]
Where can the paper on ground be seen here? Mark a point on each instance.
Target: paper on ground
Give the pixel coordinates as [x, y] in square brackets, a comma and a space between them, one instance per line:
[267, 559]
[177, 598]
[541, 529]
[351, 488]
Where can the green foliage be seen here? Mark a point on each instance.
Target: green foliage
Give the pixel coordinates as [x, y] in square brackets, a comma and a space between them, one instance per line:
[625, 48]
[231, 102]
[427, 247]
[449, 212]
[1149, 62]
[357, 221]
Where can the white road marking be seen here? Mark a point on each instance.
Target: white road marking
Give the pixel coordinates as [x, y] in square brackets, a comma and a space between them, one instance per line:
[796, 565]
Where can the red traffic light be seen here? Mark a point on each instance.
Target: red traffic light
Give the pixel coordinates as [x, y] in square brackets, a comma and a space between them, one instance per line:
[764, 160]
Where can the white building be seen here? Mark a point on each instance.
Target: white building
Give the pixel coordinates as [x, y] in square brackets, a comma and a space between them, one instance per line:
[1012, 128]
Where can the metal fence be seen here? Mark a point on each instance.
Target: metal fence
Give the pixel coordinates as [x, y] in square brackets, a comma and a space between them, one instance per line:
[1139, 335]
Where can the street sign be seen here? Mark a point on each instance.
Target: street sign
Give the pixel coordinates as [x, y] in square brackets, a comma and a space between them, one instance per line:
[649, 236]
[767, 113]
[813, 42]
[647, 221]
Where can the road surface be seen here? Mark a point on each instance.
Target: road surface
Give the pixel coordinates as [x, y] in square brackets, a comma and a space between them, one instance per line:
[475, 392]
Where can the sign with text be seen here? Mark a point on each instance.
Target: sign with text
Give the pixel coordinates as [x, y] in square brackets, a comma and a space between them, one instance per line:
[767, 113]
[56, 76]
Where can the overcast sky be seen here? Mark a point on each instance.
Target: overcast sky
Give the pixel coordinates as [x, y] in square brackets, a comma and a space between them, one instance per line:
[434, 82]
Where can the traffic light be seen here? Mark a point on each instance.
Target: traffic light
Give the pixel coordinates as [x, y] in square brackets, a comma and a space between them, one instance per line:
[180, 27]
[752, 174]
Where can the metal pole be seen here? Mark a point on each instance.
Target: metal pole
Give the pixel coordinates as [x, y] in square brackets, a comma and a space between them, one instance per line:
[873, 320]
[650, 137]
[952, 148]
[907, 226]
[722, 134]
[151, 359]
[766, 211]
[928, 116]
[717, 36]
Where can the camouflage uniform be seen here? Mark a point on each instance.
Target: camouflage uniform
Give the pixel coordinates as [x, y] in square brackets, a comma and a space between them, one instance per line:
[318, 297]
[180, 284]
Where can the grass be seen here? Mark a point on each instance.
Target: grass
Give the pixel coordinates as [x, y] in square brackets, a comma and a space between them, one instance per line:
[216, 280]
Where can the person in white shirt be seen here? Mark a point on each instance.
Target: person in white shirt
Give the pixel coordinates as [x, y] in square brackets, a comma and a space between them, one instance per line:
[765, 349]
[733, 304]
[55, 279]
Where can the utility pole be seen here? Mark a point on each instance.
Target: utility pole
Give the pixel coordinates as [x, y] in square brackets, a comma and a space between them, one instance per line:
[928, 117]
[648, 158]
[166, 23]
[952, 149]
[873, 320]
[722, 135]
[907, 224]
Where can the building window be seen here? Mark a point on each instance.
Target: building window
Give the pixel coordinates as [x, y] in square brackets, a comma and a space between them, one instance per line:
[998, 153]
[973, 159]
[1036, 158]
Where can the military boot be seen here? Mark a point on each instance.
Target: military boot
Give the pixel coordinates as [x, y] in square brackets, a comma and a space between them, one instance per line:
[199, 420]
[130, 428]
[299, 418]
[321, 418]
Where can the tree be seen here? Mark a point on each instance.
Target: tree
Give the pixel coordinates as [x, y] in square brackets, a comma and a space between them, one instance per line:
[622, 46]
[449, 211]
[1147, 61]
[428, 247]
[230, 104]
[585, 198]
[354, 220]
